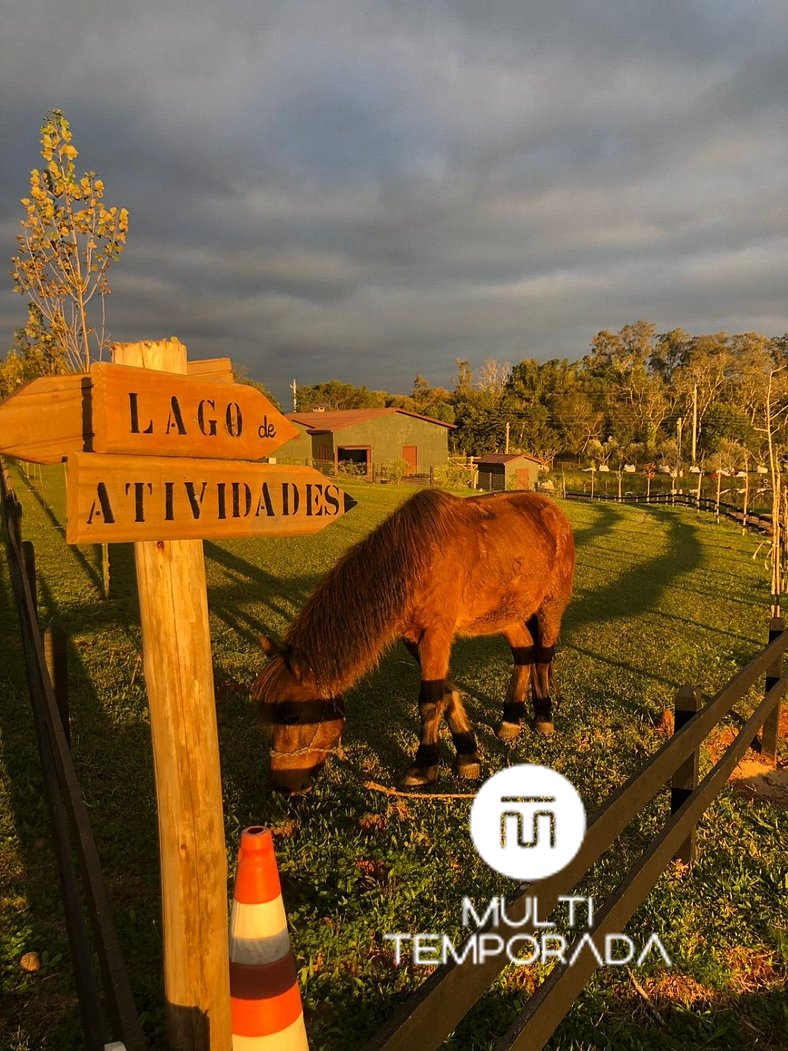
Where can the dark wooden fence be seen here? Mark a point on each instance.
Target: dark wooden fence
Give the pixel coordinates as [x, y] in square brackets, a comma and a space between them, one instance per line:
[756, 522]
[88, 914]
[425, 1020]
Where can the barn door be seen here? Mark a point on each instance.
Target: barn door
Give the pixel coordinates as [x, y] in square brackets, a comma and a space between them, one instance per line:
[410, 454]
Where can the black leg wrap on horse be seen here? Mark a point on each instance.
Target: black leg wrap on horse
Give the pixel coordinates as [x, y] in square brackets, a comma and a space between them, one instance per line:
[464, 742]
[523, 655]
[426, 755]
[543, 709]
[431, 691]
[543, 654]
[513, 711]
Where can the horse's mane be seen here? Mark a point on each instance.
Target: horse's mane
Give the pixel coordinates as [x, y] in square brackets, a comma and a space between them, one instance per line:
[354, 613]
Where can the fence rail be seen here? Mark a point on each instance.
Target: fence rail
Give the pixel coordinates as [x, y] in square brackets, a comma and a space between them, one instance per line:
[113, 1017]
[427, 1018]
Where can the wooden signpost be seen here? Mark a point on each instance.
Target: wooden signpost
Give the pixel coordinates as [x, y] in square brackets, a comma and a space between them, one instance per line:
[119, 409]
[157, 452]
[120, 498]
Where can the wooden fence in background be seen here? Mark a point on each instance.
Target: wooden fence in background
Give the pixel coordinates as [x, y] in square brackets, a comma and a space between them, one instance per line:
[113, 1017]
[756, 522]
[432, 1013]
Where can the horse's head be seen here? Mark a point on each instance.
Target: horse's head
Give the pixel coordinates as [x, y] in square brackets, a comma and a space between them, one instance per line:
[305, 723]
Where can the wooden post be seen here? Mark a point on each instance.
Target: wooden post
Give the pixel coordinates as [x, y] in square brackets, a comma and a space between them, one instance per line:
[717, 507]
[685, 779]
[771, 728]
[56, 657]
[105, 569]
[179, 680]
[29, 559]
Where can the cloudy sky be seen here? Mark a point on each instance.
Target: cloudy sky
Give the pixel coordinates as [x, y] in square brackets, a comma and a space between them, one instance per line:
[370, 190]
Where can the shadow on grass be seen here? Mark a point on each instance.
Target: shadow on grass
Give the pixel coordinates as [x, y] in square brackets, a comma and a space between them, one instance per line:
[605, 520]
[604, 1017]
[112, 758]
[93, 573]
[641, 586]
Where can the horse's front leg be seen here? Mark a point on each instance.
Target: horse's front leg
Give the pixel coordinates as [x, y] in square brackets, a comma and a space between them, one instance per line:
[467, 763]
[521, 644]
[432, 655]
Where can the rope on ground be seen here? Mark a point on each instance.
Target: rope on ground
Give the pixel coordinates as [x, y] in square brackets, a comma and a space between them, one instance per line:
[373, 786]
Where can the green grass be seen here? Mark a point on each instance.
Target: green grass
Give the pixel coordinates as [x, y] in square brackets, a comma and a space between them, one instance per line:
[662, 598]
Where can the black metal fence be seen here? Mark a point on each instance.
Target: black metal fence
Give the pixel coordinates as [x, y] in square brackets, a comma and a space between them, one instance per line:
[106, 1005]
[426, 1019]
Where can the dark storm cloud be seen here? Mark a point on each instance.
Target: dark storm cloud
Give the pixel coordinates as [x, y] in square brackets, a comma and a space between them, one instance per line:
[369, 190]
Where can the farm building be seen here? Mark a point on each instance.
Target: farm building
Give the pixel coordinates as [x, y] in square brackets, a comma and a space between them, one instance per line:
[368, 439]
[498, 471]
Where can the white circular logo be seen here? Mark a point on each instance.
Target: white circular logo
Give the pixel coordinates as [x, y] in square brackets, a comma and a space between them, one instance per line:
[527, 821]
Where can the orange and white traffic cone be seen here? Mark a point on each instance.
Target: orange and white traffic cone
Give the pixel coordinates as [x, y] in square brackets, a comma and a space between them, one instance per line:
[264, 996]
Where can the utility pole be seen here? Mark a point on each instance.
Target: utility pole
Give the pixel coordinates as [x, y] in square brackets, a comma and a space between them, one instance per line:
[694, 424]
[294, 389]
[506, 450]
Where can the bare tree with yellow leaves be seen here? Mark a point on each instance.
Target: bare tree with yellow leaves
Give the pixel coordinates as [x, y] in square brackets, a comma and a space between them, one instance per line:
[69, 240]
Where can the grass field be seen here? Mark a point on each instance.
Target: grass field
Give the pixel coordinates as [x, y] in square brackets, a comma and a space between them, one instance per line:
[662, 597]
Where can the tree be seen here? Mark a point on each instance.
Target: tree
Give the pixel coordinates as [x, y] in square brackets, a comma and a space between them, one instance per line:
[772, 425]
[68, 242]
[334, 395]
[625, 361]
[493, 376]
[705, 372]
[430, 401]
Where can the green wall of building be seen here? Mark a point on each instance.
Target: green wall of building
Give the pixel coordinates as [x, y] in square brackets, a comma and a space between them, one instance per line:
[385, 435]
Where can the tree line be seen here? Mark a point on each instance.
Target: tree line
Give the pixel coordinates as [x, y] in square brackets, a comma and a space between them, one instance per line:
[636, 397]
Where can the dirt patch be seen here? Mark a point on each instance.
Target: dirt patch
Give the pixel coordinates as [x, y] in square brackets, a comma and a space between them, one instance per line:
[761, 781]
[752, 777]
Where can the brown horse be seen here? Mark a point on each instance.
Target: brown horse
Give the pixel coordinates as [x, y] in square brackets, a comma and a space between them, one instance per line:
[438, 567]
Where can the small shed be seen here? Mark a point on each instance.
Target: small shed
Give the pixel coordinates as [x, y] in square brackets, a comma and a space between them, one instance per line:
[368, 439]
[499, 471]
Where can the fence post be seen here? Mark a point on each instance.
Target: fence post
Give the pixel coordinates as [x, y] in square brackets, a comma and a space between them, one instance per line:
[56, 657]
[685, 778]
[105, 570]
[771, 728]
[29, 560]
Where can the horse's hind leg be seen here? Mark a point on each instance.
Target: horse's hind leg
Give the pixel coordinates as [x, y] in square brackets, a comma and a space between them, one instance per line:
[544, 685]
[521, 643]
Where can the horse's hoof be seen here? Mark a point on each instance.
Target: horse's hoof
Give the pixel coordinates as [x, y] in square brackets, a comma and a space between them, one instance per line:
[468, 766]
[420, 775]
[507, 732]
[545, 726]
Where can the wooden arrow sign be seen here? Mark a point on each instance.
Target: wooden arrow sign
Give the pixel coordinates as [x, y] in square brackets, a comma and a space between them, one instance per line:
[113, 499]
[121, 409]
